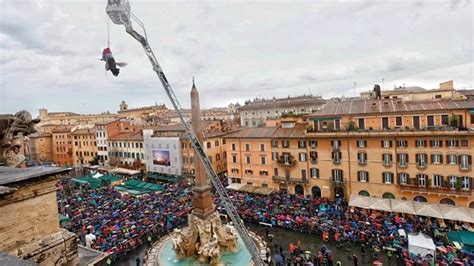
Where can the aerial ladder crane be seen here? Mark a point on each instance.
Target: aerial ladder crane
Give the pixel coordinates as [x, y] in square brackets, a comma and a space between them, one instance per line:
[120, 14]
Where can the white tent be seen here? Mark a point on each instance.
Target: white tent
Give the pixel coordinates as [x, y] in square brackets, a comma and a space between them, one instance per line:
[402, 206]
[419, 244]
[97, 175]
[456, 213]
[428, 209]
[380, 204]
[359, 201]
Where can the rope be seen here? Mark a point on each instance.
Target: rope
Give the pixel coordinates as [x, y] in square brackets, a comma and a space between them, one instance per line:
[107, 22]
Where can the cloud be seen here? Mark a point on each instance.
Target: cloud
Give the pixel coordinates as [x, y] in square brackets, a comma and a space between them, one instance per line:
[236, 50]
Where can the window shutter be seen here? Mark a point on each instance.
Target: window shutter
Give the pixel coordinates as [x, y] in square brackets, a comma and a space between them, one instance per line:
[470, 182]
[367, 173]
[383, 157]
[432, 158]
[317, 172]
[469, 159]
[342, 174]
[358, 176]
[358, 156]
[398, 178]
[381, 143]
[441, 143]
[390, 143]
[332, 142]
[333, 175]
[416, 143]
[365, 143]
[391, 157]
[340, 143]
[431, 143]
[340, 155]
[459, 159]
[441, 158]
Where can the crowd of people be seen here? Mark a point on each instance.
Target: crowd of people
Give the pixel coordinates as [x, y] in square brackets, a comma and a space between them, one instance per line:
[119, 223]
[346, 228]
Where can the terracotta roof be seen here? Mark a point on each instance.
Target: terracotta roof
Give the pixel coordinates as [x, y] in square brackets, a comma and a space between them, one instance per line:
[253, 132]
[297, 132]
[337, 108]
[283, 102]
[84, 131]
[131, 136]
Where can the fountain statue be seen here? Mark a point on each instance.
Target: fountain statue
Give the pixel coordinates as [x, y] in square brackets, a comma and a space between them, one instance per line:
[12, 130]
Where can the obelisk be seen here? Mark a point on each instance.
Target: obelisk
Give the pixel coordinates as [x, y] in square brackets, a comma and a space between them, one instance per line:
[202, 198]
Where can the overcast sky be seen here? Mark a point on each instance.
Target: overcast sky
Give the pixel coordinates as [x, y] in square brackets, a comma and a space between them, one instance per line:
[237, 50]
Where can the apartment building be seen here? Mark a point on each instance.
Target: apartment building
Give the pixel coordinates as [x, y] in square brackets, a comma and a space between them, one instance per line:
[415, 151]
[126, 149]
[41, 147]
[169, 151]
[62, 146]
[84, 149]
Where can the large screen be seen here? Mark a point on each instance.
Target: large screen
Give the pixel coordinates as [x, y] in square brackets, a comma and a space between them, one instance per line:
[161, 157]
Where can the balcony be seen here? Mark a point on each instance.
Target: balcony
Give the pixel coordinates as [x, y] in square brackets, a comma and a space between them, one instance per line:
[290, 180]
[313, 160]
[435, 190]
[336, 182]
[287, 162]
[465, 167]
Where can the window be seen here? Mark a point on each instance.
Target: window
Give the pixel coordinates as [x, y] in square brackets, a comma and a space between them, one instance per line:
[430, 120]
[274, 156]
[275, 170]
[302, 157]
[361, 123]
[274, 143]
[451, 143]
[421, 159]
[234, 159]
[416, 122]
[247, 147]
[218, 157]
[464, 143]
[262, 147]
[337, 176]
[337, 124]
[313, 156]
[385, 123]
[263, 173]
[387, 159]
[465, 161]
[437, 180]
[465, 182]
[362, 157]
[361, 143]
[387, 177]
[285, 143]
[363, 176]
[403, 178]
[398, 121]
[303, 174]
[286, 157]
[436, 143]
[233, 146]
[402, 143]
[436, 158]
[235, 170]
[313, 143]
[336, 144]
[444, 120]
[314, 172]
[263, 160]
[336, 157]
[452, 159]
[249, 171]
[301, 144]
[420, 143]
[453, 180]
[402, 159]
[421, 180]
[386, 143]
[247, 159]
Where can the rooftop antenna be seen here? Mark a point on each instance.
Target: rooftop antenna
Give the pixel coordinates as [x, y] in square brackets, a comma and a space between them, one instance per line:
[120, 14]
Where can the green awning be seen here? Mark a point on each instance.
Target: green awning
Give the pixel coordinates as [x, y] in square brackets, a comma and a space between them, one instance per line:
[466, 238]
[138, 187]
[471, 111]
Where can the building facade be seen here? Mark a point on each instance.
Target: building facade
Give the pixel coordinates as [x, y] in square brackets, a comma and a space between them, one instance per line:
[126, 149]
[84, 149]
[41, 147]
[53, 119]
[254, 113]
[333, 156]
[62, 146]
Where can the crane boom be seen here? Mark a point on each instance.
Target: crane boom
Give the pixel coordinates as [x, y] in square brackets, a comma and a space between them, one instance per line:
[122, 16]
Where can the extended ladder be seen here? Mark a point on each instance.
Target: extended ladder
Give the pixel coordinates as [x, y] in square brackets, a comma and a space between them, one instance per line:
[119, 13]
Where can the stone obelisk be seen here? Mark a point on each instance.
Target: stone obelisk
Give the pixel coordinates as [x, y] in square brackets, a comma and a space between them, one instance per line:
[202, 198]
[205, 237]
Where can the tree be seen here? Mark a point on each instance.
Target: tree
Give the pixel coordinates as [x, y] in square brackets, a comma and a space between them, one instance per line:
[95, 161]
[351, 126]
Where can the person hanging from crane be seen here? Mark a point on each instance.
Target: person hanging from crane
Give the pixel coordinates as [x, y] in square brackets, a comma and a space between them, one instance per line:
[110, 63]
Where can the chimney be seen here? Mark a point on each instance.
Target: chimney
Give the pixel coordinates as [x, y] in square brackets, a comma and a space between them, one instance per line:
[377, 91]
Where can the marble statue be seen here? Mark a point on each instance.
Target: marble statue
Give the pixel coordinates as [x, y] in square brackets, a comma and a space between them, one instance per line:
[13, 127]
